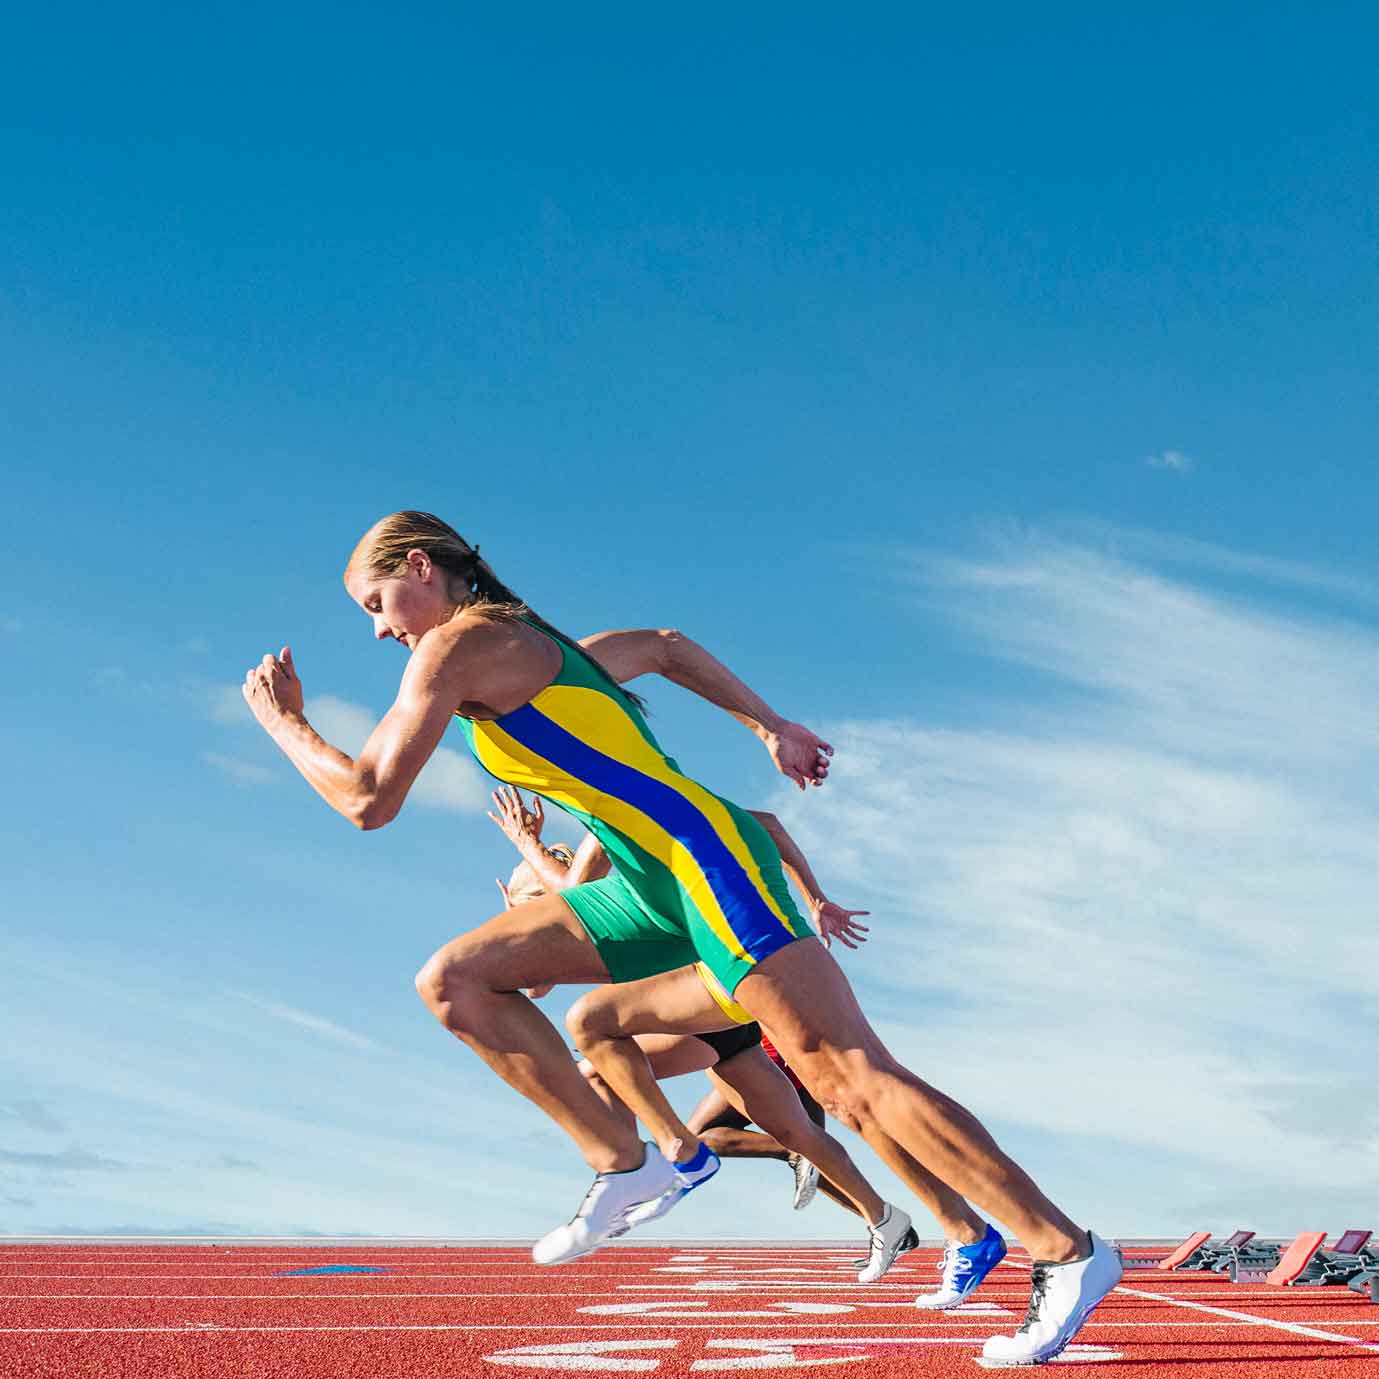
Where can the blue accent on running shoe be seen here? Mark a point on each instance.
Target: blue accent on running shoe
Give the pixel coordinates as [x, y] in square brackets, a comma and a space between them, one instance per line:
[975, 1262]
[700, 1168]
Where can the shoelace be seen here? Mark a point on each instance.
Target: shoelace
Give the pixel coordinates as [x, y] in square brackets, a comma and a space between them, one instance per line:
[954, 1264]
[1039, 1281]
[591, 1198]
[878, 1241]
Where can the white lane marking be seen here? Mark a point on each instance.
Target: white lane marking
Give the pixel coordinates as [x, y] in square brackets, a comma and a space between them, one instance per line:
[667, 1308]
[1073, 1355]
[971, 1309]
[1297, 1328]
[581, 1356]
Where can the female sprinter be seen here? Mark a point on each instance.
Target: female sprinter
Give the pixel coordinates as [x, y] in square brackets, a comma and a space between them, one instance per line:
[697, 879]
[748, 1082]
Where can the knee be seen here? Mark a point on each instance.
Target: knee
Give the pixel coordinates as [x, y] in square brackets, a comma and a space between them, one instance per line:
[587, 1021]
[850, 1089]
[443, 984]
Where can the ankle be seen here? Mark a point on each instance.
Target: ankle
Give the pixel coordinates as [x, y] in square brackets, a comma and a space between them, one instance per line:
[1067, 1247]
[617, 1160]
[879, 1215]
[681, 1151]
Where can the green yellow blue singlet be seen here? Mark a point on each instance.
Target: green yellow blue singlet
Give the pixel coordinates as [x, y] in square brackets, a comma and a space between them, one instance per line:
[695, 878]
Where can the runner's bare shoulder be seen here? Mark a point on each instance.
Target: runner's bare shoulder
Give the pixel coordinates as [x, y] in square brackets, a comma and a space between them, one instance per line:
[496, 664]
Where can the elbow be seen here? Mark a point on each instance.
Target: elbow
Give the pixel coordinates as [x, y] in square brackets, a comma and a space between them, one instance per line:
[370, 813]
[672, 644]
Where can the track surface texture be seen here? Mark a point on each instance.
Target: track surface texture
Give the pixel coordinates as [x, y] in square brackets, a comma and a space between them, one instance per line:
[235, 1311]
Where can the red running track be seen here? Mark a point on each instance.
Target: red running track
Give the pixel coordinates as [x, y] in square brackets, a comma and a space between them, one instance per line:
[230, 1312]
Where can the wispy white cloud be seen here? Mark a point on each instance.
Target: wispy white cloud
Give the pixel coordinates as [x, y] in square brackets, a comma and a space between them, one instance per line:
[1171, 459]
[68, 1160]
[1141, 904]
[241, 772]
[1162, 549]
[303, 1019]
[225, 704]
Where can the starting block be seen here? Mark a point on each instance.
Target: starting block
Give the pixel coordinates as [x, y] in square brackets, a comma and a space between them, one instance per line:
[1196, 1252]
[1188, 1249]
[1347, 1258]
[1271, 1263]
[1209, 1256]
[1368, 1282]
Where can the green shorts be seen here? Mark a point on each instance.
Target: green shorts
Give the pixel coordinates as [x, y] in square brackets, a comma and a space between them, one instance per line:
[636, 941]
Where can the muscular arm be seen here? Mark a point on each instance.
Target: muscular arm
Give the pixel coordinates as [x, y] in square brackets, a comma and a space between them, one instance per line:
[796, 864]
[797, 752]
[831, 920]
[369, 790]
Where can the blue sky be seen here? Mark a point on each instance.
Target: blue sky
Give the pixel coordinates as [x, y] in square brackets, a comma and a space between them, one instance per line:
[993, 391]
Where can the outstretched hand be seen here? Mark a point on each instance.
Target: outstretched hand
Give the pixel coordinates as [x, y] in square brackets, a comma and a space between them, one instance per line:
[799, 754]
[272, 689]
[834, 922]
[522, 825]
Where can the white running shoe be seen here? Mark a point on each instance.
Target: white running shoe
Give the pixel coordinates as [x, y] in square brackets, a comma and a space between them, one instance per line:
[1061, 1299]
[806, 1180]
[603, 1213]
[887, 1237]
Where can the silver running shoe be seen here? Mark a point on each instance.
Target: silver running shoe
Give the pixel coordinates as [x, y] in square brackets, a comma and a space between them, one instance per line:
[806, 1180]
[910, 1242]
[887, 1236]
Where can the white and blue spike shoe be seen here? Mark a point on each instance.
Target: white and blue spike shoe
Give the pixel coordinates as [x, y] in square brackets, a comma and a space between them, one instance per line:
[963, 1268]
[689, 1175]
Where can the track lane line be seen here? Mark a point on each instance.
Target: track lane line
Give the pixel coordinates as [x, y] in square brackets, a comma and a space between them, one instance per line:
[1297, 1328]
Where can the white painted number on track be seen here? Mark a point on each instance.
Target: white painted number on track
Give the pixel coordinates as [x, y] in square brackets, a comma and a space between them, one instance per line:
[764, 1355]
[583, 1357]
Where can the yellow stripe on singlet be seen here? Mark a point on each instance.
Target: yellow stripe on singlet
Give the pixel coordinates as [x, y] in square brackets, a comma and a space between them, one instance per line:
[593, 718]
[508, 759]
[726, 1004]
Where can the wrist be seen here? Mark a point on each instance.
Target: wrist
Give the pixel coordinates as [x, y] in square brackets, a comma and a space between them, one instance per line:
[286, 722]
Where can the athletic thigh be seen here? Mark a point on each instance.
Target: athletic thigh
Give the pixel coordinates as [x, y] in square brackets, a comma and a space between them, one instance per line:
[802, 997]
[753, 1084]
[674, 1055]
[532, 944]
[669, 1003]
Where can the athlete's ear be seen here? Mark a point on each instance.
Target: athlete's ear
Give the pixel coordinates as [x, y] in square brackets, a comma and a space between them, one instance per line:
[420, 562]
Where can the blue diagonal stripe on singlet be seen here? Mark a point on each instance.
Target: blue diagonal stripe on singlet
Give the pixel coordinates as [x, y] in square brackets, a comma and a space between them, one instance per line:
[748, 915]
